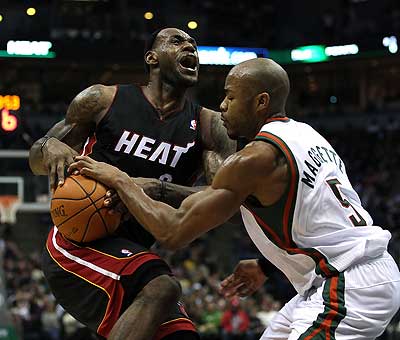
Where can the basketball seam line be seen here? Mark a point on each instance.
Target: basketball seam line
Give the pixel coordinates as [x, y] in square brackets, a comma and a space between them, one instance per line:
[83, 189]
[97, 211]
[94, 203]
[78, 212]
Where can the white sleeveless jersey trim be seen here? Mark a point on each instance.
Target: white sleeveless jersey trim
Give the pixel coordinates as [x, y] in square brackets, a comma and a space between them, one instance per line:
[304, 264]
[326, 210]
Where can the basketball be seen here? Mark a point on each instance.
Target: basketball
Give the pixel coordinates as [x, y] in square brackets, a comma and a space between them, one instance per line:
[77, 210]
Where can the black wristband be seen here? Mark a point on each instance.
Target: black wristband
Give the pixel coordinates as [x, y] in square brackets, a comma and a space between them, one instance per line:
[46, 139]
[263, 264]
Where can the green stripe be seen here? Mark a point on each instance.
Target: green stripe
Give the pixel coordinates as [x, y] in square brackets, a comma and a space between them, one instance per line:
[341, 307]
[296, 182]
[341, 311]
[331, 269]
[313, 253]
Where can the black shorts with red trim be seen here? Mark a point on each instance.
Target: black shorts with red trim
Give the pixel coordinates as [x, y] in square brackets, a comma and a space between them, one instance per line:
[97, 282]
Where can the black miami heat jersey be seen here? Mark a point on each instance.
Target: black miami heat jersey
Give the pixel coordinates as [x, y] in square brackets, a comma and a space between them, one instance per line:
[133, 138]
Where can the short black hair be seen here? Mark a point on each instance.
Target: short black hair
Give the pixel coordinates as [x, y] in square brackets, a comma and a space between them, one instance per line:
[148, 45]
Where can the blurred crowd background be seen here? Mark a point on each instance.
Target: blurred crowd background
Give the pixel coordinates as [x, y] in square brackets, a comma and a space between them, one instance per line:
[354, 102]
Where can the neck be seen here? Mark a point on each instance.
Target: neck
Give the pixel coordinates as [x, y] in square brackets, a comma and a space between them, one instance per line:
[263, 121]
[279, 114]
[164, 97]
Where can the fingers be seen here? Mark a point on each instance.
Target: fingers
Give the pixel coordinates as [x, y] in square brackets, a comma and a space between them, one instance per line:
[232, 291]
[57, 172]
[230, 286]
[79, 164]
[84, 158]
[52, 178]
[69, 160]
[224, 283]
[112, 200]
[245, 290]
[110, 193]
[118, 209]
[60, 173]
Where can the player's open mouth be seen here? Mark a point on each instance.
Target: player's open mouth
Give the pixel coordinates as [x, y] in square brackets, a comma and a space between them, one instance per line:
[188, 63]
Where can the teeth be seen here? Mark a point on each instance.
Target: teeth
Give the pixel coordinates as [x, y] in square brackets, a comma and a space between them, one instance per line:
[189, 62]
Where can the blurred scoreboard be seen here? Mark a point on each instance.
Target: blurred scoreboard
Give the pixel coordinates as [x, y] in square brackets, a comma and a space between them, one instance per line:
[8, 104]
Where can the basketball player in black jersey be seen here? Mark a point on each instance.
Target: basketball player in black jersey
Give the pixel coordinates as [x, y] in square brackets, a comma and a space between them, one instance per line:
[115, 286]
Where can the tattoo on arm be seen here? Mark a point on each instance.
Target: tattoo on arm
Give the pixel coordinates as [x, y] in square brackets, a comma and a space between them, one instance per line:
[222, 147]
[88, 105]
[174, 194]
[211, 163]
[84, 112]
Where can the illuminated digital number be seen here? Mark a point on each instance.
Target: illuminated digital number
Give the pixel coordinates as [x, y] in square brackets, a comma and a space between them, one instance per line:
[9, 122]
[10, 102]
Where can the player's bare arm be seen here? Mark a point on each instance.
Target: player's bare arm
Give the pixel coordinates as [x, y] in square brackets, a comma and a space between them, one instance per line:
[49, 155]
[216, 141]
[218, 147]
[256, 170]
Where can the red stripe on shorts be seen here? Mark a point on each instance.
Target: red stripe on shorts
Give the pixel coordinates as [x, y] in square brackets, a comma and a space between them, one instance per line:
[108, 262]
[111, 286]
[173, 326]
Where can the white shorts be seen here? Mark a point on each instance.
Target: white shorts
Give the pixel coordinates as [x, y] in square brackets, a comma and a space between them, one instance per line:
[355, 305]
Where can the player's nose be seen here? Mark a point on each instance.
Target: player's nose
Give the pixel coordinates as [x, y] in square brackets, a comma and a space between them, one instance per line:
[189, 47]
[223, 106]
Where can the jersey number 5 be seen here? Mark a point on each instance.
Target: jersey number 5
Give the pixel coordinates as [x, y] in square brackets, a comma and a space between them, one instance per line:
[334, 185]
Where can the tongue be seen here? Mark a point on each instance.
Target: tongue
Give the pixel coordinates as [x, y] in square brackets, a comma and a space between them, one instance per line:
[187, 65]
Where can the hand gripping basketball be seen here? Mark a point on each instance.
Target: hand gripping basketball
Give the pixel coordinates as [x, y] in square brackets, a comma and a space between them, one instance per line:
[78, 210]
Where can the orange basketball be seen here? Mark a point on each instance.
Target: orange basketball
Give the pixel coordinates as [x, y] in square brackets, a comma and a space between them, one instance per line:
[78, 212]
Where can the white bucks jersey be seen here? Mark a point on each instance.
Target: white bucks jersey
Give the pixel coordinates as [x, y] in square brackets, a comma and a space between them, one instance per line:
[319, 227]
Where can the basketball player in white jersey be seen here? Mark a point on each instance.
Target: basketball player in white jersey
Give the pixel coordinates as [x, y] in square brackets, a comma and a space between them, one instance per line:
[298, 207]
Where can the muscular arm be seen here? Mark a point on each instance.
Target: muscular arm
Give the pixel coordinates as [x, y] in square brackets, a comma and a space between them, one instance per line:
[174, 194]
[170, 193]
[254, 170]
[84, 112]
[218, 148]
[216, 141]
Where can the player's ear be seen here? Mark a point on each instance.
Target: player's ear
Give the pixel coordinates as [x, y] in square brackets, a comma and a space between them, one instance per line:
[151, 58]
[263, 100]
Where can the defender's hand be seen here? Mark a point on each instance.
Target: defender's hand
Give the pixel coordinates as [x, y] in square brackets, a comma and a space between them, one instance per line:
[115, 205]
[245, 280]
[150, 186]
[57, 156]
[102, 172]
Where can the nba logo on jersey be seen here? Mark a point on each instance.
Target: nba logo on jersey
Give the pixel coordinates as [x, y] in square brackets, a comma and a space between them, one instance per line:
[182, 309]
[193, 124]
[126, 252]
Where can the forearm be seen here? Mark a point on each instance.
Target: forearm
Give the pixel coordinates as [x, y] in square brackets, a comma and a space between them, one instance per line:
[156, 217]
[36, 158]
[59, 132]
[170, 193]
[174, 194]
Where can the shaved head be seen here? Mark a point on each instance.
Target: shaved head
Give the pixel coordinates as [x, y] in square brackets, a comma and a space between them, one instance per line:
[264, 75]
